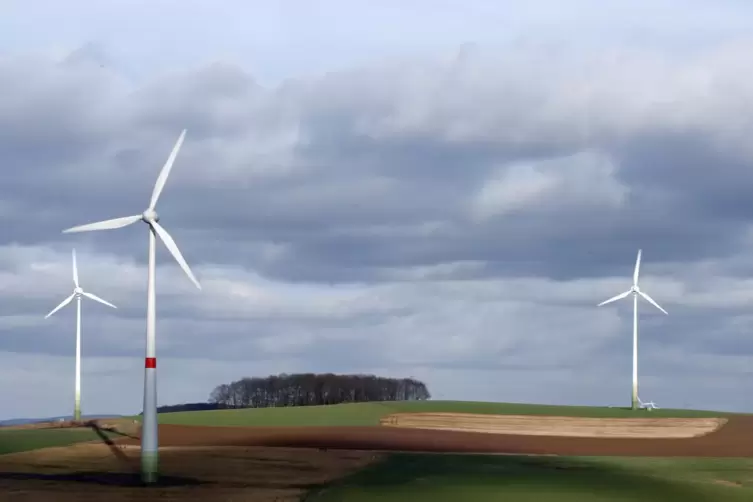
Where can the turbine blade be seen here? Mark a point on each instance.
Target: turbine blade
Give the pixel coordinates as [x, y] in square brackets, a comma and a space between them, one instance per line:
[75, 269]
[162, 178]
[615, 298]
[62, 304]
[173, 248]
[98, 299]
[105, 225]
[637, 268]
[652, 302]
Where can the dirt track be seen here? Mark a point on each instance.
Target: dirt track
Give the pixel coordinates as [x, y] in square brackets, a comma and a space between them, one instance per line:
[733, 439]
[558, 426]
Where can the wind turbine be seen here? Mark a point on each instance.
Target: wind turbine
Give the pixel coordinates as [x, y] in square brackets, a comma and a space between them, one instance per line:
[636, 291]
[78, 292]
[149, 438]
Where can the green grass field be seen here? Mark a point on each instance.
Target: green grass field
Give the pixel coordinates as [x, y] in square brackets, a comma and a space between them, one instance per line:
[370, 413]
[14, 441]
[483, 478]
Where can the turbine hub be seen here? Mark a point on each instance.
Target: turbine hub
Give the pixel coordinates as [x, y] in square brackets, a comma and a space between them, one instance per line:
[78, 291]
[635, 289]
[150, 216]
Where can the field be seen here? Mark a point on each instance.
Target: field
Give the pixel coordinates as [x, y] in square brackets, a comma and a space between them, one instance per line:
[452, 478]
[15, 440]
[391, 451]
[373, 413]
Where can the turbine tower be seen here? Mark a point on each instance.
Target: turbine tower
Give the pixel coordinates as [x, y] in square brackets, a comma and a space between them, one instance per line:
[636, 291]
[78, 292]
[149, 438]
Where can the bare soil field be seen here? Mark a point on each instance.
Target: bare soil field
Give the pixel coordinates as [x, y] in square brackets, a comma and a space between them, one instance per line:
[95, 472]
[558, 426]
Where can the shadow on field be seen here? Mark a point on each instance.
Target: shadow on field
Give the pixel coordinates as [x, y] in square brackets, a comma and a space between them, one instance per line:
[122, 457]
[121, 479]
[101, 478]
[435, 477]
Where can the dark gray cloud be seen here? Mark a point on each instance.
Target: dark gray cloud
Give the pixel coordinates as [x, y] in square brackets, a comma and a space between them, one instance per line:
[428, 217]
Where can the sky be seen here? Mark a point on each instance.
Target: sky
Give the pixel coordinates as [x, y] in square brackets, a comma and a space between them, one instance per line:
[442, 190]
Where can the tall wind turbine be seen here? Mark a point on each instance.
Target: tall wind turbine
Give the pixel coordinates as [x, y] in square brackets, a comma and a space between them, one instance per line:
[149, 438]
[636, 291]
[77, 294]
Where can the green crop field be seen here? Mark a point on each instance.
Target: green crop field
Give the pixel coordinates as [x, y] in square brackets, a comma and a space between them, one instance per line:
[370, 413]
[14, 441]
[487, 478]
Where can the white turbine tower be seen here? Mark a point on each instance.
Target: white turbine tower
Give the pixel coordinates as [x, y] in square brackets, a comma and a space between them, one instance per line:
[149, 438]
[78, 292]
[636, 291]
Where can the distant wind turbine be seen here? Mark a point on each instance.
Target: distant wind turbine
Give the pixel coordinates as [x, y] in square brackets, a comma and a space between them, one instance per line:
[149, 438]
[78, 292]
[636, 291]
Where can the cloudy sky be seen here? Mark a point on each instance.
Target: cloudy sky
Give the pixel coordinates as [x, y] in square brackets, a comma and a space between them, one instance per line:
[437, 189]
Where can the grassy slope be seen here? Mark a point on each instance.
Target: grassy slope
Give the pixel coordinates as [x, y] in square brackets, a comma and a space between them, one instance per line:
[13, 441]
[370, 413]
[471, 478]
[479, 478]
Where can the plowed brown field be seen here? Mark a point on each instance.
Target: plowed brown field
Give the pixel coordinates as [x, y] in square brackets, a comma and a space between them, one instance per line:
[95, 473]
[732, 439]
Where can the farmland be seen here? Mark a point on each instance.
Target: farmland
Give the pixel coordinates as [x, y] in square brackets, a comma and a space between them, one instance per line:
[397, 451]
[353, 414]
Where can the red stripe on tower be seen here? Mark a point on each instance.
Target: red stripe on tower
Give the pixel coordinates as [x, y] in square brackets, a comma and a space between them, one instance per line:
[151, 362]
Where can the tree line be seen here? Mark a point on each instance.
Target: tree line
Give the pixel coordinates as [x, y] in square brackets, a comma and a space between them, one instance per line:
[310, 389]
[306, 389]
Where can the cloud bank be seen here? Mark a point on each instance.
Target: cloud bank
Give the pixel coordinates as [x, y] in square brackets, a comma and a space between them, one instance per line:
[454, 217]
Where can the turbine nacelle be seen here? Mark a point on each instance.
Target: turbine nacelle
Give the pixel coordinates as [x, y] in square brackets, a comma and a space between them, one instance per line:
[150, 216]
[78, 292]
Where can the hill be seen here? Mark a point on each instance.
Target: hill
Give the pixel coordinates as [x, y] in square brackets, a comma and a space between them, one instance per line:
[372, 413]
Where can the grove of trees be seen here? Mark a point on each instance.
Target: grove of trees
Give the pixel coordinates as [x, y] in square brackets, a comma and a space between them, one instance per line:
[306, 389]
[309, 389]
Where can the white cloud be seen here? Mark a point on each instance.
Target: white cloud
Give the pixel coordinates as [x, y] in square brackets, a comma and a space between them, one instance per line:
[585, 179]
